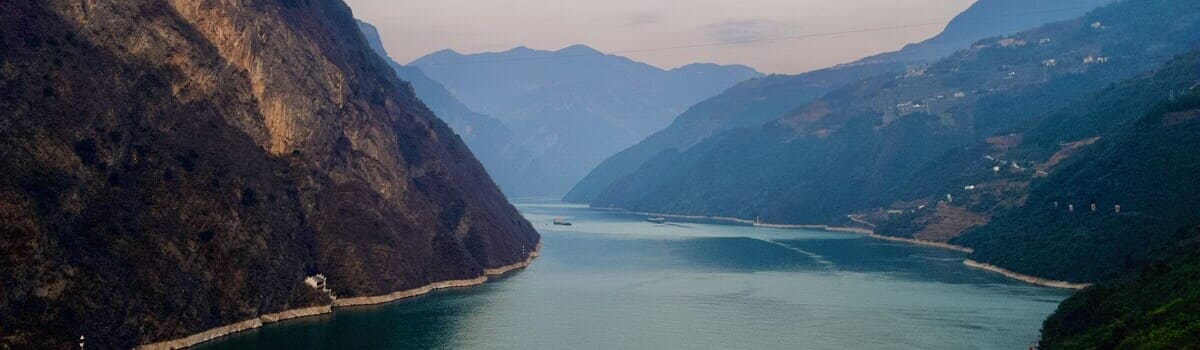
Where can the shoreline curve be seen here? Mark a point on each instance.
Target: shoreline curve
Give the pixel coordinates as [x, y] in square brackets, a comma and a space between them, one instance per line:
[855, 230]
[1025, 278]
[1044, 282]
[257, 322]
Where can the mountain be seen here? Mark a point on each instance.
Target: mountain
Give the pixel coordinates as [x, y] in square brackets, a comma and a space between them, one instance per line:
[571, 108]
[488, 138]
[986, 18]
[1136, 164]
[864, 145]
[1150, 301]
[758, 101]
[174, 166]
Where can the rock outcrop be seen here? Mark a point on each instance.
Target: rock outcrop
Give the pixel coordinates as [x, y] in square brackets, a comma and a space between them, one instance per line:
[171, 166]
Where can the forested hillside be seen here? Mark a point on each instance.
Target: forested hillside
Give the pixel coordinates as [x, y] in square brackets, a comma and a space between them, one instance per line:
[863, 146]
[1147, 168]
[757, 101]
[1150, 307]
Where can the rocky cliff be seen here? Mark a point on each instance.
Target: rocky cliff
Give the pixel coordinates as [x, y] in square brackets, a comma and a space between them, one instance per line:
[172, 166]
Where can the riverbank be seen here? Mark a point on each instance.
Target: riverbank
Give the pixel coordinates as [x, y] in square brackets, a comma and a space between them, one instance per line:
[855, 230]
[218, 332]
[870, 233]
[922, 242]
[1025, 278]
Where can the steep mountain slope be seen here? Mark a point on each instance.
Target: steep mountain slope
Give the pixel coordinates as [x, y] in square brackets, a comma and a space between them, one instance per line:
[758, 101]
[488, 138]
[571, 108]
[1144, 167]
[748, 104]
[994, 176]
[172, 166]
[1152, 307]
[859, 147]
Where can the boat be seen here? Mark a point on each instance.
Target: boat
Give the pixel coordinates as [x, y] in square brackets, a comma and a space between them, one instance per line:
[657, 220]
[561, 222]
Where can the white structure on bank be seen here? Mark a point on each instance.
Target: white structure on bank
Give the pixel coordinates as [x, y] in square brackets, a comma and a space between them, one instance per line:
[316, 282]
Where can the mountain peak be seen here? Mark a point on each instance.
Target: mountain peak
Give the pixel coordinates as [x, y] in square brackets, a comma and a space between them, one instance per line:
[579, 49]
[440, 56]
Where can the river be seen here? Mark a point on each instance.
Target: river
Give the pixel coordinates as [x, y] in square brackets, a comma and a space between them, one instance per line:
[616, 281]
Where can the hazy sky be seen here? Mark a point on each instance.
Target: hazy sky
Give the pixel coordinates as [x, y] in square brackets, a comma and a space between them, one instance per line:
[412, 28]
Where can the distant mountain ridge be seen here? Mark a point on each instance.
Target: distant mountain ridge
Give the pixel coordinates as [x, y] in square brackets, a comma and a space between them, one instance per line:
[570, 108]
[489, 139]
[754, 102]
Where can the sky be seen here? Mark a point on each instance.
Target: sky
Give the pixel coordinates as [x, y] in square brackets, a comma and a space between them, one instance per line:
[746, 31]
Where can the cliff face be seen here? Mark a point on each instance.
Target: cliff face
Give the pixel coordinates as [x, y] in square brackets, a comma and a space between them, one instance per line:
[171, 166]
[488, 138]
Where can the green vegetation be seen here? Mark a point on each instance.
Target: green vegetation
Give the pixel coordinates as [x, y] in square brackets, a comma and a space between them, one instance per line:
[1148, 169]
[1153, 307]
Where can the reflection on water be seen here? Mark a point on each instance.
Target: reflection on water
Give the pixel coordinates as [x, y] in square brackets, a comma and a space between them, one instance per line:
[616, 281]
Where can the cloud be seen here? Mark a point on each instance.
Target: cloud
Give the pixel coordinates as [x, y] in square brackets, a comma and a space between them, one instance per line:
[743, 30]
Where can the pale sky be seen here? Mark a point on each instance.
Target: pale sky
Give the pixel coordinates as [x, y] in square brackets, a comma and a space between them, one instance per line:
[414, 28]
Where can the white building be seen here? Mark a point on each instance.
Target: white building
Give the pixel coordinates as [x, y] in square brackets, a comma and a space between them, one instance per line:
[316, 282]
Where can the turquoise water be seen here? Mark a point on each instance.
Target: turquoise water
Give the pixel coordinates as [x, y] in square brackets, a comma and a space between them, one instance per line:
[615, 281]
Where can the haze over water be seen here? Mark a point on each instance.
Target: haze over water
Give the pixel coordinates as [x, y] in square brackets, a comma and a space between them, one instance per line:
[616, 281]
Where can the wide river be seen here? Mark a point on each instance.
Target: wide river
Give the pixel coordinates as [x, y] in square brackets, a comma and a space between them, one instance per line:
[615, 281]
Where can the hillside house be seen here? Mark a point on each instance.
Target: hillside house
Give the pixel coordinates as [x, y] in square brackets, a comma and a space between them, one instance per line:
[1095, 59]
[913, 72]
[316, 282]
[1010, 42]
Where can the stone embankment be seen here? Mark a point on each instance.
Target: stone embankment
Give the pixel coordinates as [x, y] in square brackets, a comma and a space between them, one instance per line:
[214, 333]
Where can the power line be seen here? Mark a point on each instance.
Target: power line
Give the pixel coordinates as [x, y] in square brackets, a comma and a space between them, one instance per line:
[759, 40]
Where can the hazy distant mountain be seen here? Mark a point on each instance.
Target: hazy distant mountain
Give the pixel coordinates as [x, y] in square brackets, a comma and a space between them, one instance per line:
[487, 137]
[757, 101]
[571, 108]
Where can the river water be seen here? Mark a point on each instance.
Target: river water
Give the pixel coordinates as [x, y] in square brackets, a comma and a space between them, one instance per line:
[616, 281]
